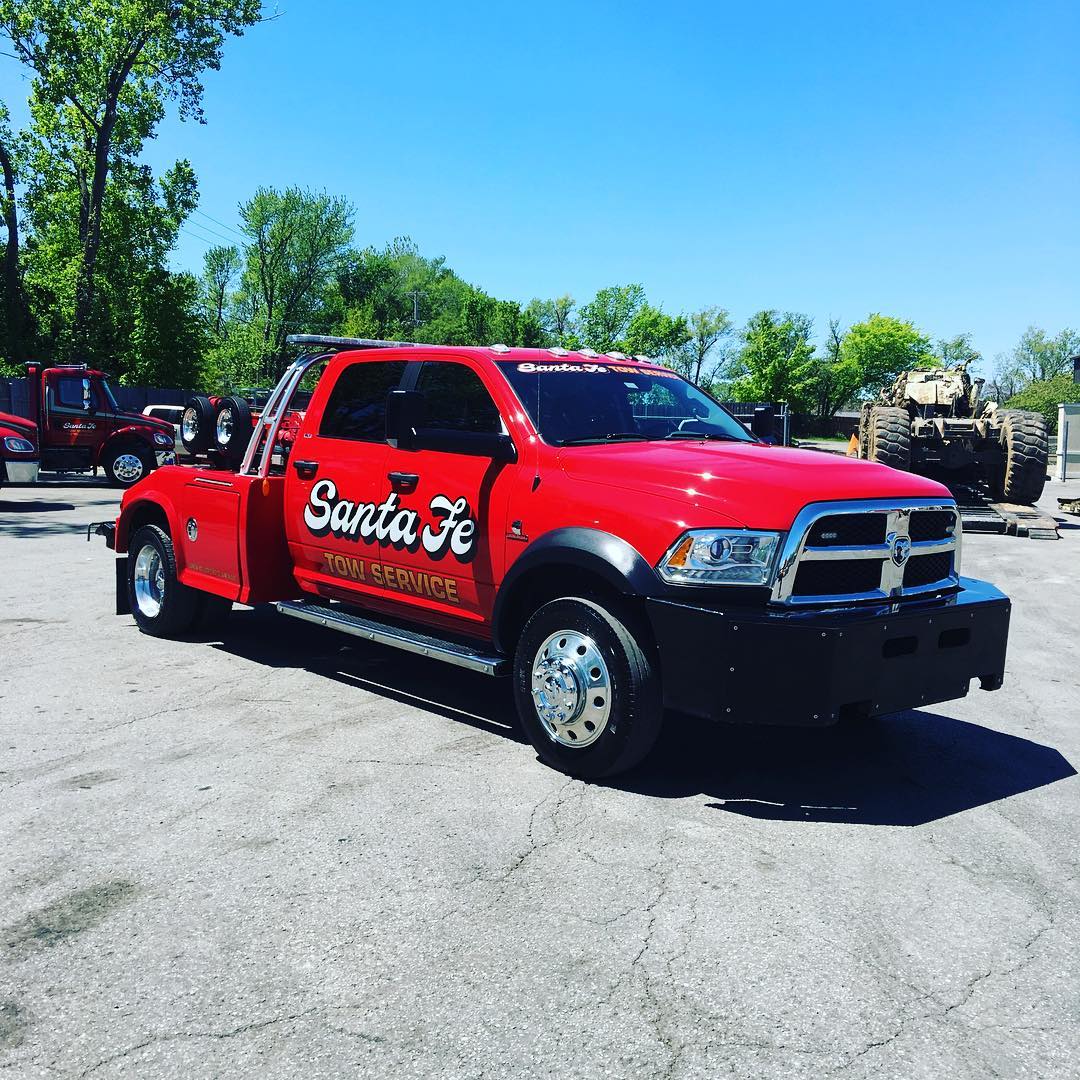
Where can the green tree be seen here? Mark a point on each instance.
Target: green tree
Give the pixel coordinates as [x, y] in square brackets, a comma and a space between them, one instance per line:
[954, 351]
[604, 321]
[698, 358]
[655, 334]
[555, 318]
[776, 361]
[297, 243]
[1045, 395]
[878, 349]
[221, 268]
[1037, 357]
[102, 73]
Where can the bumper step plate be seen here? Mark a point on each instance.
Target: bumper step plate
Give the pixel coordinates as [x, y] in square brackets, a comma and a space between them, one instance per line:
[335, 617]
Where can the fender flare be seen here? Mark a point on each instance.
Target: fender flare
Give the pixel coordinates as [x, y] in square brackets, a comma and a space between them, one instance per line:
[133, 433]
[160, 502]
[609, 557]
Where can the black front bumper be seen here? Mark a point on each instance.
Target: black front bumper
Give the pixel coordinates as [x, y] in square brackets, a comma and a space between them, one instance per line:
[812, 668]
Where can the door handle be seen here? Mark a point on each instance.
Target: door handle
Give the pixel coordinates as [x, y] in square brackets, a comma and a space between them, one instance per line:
[306, 470]
[403, 479]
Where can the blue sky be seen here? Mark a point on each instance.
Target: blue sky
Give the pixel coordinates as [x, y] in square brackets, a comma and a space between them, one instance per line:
[922, 160]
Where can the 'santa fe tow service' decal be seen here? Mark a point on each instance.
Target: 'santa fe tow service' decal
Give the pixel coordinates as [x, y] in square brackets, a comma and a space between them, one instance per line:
[389, 524]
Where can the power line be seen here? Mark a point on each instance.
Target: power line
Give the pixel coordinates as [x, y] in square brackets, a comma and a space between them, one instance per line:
[227, 228]
[206, 228]
[206, 240]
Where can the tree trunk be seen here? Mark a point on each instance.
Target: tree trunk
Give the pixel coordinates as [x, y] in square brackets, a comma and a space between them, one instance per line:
[20, 321]
[84, 285]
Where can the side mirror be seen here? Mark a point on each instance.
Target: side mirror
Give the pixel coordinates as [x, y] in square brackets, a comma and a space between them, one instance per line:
[489, 444]
[405, 413]
[762, 426]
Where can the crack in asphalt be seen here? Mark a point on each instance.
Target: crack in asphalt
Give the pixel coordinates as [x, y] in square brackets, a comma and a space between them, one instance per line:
[243, 1029]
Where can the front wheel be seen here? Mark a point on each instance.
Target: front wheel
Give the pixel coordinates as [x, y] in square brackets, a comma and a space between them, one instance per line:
[127, 465]
[586, 688]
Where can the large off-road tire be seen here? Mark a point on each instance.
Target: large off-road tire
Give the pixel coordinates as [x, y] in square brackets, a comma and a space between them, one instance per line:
[197, 424]
[1025, 443]
[586, 687]
[890, 437]
[232, 429]
[127, 465]
[161, 605]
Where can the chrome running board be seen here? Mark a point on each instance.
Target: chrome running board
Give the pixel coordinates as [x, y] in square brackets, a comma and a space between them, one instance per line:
[449, 651]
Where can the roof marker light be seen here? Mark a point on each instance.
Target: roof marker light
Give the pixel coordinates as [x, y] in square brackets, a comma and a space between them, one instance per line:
[588, 352]
[558, 351]
[500, 348]
[616, 355]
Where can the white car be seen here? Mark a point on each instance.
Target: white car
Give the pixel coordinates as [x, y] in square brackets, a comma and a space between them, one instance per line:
[171, 415]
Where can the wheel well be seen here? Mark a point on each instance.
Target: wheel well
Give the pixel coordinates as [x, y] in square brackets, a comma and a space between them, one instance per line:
[550, 582]
[147, 513]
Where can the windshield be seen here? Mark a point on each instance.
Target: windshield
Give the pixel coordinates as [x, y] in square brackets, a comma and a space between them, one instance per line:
[577, 403]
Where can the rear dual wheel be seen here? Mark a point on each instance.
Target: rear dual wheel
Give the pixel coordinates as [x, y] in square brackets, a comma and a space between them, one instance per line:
[587, 688]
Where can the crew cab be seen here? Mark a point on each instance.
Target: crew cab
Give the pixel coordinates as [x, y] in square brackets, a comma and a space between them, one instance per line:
[18, 450]
[80, 428]
[593, 526]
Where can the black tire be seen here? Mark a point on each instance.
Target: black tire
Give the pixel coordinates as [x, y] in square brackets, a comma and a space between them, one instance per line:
[890, 437]
[1025, 444]
[178, 606]
[126, 465]
[197, 424]
[633, 700]
[232, 429]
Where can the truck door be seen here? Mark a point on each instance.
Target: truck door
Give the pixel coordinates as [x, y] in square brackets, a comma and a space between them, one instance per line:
[73, 411]
[451, 570]
[337, 479]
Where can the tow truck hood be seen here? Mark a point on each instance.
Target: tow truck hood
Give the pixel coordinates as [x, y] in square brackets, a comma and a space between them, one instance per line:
[146, 421]
[759, 486]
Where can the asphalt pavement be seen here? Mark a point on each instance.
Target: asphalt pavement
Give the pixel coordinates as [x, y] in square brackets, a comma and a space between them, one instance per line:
[282, 853]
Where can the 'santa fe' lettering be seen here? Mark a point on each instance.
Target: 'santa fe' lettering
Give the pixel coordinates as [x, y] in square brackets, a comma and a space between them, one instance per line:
[390, 524]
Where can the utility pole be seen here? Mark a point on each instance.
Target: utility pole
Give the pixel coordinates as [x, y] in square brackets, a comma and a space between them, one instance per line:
[415, 294]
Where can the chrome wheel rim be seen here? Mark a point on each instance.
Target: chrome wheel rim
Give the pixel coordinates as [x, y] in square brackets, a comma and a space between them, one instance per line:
[128, 468]
[571, 689]
[189, 425]
[149, 581]
[224, 427]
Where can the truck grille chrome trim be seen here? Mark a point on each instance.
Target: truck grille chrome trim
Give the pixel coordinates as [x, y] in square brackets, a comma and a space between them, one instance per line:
[916, 550]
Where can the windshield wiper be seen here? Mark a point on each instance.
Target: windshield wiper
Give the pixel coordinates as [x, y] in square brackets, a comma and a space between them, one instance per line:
[611, 436]
[722, 435]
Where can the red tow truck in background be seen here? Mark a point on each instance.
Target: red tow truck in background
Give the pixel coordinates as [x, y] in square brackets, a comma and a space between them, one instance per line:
[77, 426]
[594, 526]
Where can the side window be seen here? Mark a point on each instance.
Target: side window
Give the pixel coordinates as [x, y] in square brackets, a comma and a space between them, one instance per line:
[456, 399]
[356, 408]
[72, 393]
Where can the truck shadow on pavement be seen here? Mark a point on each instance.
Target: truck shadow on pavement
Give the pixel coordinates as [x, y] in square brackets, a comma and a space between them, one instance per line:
[907, 769]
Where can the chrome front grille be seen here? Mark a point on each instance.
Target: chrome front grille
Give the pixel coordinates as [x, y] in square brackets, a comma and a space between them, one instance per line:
[869, 550]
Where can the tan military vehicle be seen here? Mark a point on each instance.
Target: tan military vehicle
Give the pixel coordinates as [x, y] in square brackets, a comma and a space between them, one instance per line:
[933, 422]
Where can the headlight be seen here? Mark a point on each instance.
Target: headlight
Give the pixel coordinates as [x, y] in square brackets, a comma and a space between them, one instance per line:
[17, 445]
[162, 440]
[720, 557]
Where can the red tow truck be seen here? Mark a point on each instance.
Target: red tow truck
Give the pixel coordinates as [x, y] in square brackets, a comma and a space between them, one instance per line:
[79, 428]
[593, 526]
